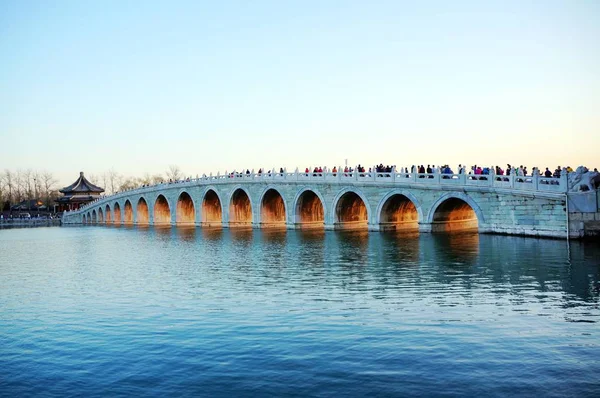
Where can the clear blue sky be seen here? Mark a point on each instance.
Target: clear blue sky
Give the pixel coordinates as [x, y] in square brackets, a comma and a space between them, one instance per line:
[213, 86]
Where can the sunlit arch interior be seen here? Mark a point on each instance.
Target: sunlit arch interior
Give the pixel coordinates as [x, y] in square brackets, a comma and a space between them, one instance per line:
[128, 213]
[351, 212]
[117, 213]
[108, 215]
[240, 209]
[212, 215]
[142, 212]
[399, 213]
[454, 214]
[309, 211]
[272, 210]
[185, 211]
[162, 212]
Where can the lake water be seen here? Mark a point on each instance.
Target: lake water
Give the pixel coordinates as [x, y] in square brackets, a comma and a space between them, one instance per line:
[106, 311]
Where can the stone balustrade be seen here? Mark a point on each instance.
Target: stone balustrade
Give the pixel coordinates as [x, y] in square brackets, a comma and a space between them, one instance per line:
[519, 183]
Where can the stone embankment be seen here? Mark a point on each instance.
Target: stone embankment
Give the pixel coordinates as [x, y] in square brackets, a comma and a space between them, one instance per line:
[29, 222]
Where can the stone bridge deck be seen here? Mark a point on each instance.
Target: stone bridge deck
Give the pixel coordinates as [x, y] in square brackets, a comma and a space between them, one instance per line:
[532, 205]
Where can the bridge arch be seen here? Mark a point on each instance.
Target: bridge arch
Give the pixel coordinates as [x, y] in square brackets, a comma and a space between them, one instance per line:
[273, 208]
[185, 210]
[117, 213]
[89, 217]
[455, 211]
[128, 212]
[240, 208]
[399, 210]
[100, 215]
[142, 213]
[212, 208]
[108, 215]
[94, 217]
[351, 210]
[162, 211]
[84, 219]
[309, 208]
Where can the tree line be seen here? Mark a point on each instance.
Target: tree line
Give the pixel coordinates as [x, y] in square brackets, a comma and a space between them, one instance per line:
[114, 182]
[19, 185]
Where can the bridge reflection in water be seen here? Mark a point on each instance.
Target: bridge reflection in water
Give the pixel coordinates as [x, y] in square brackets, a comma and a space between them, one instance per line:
[389, 312]
[394, 259]
[464, 258]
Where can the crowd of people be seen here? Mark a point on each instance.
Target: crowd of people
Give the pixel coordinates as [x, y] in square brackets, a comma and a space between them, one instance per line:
[429, 171]
[475, 172]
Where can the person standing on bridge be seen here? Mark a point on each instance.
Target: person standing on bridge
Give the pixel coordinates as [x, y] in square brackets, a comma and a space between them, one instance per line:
[556, 172]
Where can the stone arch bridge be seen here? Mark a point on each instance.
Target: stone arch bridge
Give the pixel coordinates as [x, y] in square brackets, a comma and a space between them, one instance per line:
[534, 205]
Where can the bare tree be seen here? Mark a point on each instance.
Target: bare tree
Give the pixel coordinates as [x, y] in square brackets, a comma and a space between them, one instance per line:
[128, 183]
[2, 193]
[104, 179]
[19, 187]
[174, 173]
[37, 184]
[9, 183]
[156, 179]
[93, 179]
[114, 181]
[27, 182]
[146, 179]
[48, 187]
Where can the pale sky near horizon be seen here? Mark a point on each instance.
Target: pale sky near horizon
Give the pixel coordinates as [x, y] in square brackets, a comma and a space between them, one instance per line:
[213, 86]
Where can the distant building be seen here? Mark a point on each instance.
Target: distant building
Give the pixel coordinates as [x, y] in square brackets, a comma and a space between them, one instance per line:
[77, 194]
[29, 204]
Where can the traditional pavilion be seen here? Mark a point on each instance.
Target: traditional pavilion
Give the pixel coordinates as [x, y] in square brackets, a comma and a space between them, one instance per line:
[77, 194]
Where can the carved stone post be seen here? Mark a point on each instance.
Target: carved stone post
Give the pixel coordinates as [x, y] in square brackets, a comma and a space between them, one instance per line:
[564, 180]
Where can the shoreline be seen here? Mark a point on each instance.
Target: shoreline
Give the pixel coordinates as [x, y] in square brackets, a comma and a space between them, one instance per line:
[29, 223]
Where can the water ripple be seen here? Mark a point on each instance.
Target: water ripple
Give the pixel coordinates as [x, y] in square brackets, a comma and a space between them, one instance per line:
[188, 312]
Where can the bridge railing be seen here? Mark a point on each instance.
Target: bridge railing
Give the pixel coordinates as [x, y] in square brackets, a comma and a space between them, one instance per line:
[511, 182]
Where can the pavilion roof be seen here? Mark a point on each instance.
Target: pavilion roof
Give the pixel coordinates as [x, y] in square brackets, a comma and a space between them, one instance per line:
[82, 185]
